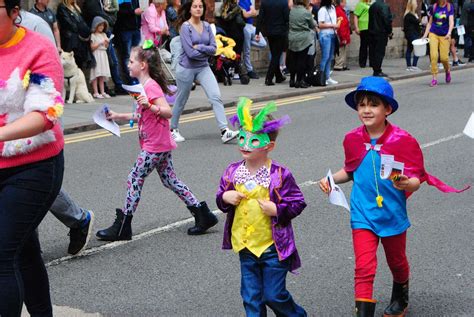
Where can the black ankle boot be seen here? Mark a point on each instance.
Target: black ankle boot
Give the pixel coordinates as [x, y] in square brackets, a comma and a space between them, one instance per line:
[365, 308]
[301, 84]
[121, 229]
[204, 219]
[399, 301]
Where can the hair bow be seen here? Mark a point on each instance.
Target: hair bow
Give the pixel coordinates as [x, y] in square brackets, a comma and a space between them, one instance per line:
[148, 44]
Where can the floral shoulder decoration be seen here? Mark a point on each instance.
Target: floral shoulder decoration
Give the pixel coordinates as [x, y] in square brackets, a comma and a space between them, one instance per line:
[46, 84]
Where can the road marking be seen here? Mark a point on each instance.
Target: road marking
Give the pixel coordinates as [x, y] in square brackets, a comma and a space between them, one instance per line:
[174, 225]
[197, 117]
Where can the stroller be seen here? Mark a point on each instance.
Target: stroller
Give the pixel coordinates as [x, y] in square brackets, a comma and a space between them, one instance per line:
[226, 63]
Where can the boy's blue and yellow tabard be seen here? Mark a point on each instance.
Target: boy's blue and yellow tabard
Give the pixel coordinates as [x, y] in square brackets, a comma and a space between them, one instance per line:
[252, 229]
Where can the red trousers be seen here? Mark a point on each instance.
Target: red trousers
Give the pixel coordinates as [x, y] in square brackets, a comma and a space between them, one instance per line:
[365, 251]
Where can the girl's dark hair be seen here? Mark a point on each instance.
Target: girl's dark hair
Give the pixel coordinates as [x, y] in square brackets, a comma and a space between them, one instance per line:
[184, 13]
[10, 5]
[152, 58]
[326, 3]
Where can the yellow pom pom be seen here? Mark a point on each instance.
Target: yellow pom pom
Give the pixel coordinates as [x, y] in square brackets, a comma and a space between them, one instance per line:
[379, 201]
[26, 79]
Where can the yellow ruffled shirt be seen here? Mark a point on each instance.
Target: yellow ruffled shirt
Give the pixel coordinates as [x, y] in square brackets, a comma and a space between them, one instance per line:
[251, 228]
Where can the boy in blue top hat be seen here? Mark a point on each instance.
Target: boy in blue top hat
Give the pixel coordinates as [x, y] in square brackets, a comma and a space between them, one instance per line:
[386, 165]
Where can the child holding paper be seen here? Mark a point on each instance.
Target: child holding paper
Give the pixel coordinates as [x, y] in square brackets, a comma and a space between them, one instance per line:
[378, 204]
[261, 198]
[156, 145]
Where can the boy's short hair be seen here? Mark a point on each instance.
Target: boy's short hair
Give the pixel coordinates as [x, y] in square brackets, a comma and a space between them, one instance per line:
[370, 97]
[272, 135]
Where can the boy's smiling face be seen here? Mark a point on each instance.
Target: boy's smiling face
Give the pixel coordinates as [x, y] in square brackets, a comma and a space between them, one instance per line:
[372, 112]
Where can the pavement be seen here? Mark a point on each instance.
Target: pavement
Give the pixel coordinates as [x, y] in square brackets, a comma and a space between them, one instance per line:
[78, 117]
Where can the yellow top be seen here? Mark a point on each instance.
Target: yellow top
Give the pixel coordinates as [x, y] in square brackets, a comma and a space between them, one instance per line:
[251, 229]
[17, 37]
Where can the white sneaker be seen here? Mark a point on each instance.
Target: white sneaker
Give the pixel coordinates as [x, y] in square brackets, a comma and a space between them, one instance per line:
[409, 69]
[331, 81]
[177, 137]
[229, 135]
[416, 69]
[440, 66]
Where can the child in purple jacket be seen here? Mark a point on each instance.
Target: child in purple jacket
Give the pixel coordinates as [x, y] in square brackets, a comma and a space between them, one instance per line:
[260, 198]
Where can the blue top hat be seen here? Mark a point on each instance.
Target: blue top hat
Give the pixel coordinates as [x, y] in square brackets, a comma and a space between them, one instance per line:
[376, 85]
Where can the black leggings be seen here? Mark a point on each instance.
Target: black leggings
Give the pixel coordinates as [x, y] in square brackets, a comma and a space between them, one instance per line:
[296, 63]
[277, 45]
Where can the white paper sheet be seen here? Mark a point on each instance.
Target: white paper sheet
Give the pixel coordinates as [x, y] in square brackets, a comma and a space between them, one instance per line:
[134, 89]
[101, 119]
[469, 129]
[336, 195]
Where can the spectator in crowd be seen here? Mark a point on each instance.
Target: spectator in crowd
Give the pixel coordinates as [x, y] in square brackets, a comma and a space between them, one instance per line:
[31, 172]
[40, 8]
[314, 53]
[231, 20]
[455, 39]
[273, 20]
[108, 11]
[380, 30]
[198, 45]
[34, 22]
[172, 16]
[439, 28]
[344, 35]
[251, 38]
[412, 29]
[300, 39]
[127, 29]
[361, 25]
[75, 33]
[468, 13]
[99, 43]
[328, 24]
[154, 25]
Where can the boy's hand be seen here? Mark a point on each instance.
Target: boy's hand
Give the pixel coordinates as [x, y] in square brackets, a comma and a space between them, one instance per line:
[268, 207]
[323, 185]
[401, 182]
[232, 197]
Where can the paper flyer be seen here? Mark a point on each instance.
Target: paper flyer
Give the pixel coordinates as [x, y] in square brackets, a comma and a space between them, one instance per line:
[101, 119]
[389, 168]
[469, 129]
[135, 90]
[336, 195]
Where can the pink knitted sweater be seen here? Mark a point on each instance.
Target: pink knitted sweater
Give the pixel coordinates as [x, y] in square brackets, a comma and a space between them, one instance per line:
[31, 79]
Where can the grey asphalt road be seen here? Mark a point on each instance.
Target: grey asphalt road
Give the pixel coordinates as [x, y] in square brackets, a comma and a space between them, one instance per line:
[168, 273]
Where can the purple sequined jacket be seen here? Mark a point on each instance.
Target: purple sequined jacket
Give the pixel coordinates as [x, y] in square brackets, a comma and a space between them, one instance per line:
[287, 196]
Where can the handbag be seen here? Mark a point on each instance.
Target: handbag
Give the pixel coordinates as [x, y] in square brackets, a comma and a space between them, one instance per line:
[316, 77]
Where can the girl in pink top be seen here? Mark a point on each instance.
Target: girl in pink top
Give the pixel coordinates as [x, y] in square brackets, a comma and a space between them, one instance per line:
[156, 144]
[154, 25]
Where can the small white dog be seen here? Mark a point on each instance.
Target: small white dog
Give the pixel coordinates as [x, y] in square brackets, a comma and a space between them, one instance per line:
[74, 80]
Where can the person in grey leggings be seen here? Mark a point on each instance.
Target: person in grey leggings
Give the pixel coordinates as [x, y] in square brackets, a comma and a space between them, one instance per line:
[198, 45]
[77, 219]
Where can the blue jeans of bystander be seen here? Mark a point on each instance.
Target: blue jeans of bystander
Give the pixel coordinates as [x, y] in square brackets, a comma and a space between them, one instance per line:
[249, 40]
[328, 42]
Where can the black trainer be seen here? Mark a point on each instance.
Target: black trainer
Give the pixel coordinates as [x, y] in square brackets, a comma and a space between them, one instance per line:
[79, 237]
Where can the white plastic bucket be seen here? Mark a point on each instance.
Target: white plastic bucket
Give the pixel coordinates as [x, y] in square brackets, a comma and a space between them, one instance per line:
[419, 46]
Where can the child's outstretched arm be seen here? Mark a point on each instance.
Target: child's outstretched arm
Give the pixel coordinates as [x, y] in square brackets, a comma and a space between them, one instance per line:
[407, 184]
[112, 115]
[339, 177]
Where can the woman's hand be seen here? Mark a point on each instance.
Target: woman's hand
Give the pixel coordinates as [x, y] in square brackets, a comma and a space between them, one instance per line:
[447, 37]
[268, 207]
[233, 197]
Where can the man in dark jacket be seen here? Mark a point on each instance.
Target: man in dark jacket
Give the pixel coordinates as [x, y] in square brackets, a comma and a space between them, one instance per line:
[380, 30]
[272, 21]
[127, 28]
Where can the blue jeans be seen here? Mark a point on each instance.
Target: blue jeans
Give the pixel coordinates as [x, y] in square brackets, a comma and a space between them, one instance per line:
[409, 51]
[113, 62]
[263, 283]
[184, 81]
[328, 43]
[67, 211]
[249, 40]
[129, 40]
[26, 193]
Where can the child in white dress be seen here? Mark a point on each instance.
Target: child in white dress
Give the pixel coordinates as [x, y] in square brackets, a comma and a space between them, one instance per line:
[99, 44]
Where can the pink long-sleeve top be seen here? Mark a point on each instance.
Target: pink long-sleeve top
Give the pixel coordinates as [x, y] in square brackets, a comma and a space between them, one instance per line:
[31, 78]
[153, 23]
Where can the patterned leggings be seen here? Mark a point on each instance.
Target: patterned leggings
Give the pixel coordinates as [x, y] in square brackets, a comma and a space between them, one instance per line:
[144, 165]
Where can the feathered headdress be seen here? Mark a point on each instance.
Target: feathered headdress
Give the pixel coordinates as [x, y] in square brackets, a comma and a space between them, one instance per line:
[257, 124]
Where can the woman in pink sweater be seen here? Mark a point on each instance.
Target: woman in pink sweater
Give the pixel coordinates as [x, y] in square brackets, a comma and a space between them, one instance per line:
[154, 25]
[31, 159]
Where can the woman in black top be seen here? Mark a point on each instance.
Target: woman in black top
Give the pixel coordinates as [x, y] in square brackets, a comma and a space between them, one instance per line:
[412, 29]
